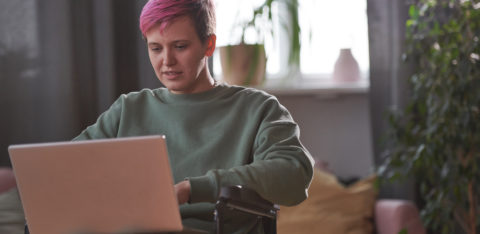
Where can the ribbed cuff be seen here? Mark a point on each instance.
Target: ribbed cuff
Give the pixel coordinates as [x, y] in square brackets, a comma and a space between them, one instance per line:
[203, 189]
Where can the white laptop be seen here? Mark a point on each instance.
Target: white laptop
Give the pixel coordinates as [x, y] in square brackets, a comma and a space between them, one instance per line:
[120, 185]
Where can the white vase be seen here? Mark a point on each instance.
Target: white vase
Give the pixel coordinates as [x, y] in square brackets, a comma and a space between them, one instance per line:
[346, 67]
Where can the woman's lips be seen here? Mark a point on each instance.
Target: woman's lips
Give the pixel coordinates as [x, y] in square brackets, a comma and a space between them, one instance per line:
[171, 74]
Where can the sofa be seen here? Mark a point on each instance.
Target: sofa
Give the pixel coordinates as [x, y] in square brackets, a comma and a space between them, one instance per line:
[12, 218]
[331, 208]
[394, 215]
[354, 209]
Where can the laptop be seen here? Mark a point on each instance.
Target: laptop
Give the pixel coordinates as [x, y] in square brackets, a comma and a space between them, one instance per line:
[120, 185]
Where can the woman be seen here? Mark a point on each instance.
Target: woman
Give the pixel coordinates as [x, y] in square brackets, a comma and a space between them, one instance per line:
[217, 134]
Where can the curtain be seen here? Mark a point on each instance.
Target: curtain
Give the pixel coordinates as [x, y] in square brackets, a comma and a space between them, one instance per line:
[62, 63]
[388, 77]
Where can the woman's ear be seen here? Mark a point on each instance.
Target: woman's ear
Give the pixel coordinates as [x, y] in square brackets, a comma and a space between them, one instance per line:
[211, 42]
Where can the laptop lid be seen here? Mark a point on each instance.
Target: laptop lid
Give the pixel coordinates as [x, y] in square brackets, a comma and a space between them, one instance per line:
[109, 185]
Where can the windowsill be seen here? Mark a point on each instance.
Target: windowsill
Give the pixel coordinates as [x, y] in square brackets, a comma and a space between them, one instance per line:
[322, 87]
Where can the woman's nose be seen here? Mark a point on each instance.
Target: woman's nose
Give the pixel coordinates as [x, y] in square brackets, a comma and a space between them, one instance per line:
[168, 58]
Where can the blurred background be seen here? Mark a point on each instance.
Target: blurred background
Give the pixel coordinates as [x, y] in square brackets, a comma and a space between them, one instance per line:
[63, 62]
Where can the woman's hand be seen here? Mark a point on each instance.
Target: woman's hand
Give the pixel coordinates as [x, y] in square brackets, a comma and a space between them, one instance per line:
[182, 190]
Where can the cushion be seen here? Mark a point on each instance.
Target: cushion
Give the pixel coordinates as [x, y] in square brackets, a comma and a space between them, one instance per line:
[12, 219]
[331, 208]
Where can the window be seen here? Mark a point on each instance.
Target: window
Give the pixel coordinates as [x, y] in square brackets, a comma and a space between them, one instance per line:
[327, 26]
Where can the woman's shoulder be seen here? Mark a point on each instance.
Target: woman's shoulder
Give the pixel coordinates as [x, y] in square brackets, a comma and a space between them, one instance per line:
[251, 93]
[253, 100]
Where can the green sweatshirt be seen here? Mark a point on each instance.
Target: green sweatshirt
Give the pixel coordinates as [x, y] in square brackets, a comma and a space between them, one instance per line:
[228, 135]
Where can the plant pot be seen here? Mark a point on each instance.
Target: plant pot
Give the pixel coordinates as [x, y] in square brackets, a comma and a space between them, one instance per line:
[243, 64]
[346, 67]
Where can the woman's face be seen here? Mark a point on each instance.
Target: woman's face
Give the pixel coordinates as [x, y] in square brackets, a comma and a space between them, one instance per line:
[179, 57]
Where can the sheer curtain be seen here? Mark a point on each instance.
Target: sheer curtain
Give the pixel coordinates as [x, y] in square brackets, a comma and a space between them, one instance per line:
[327, 26]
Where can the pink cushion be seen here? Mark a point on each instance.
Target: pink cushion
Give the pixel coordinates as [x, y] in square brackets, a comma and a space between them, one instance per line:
[391, 216]
[7, 179]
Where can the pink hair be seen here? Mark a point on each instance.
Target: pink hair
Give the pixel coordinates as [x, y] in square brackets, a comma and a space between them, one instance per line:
[163, 12]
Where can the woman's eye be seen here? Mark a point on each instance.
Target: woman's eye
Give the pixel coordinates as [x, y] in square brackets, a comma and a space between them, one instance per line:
[155, 49]
[181, 47]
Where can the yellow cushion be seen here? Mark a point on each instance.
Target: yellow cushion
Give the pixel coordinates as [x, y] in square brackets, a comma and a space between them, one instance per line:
[331, 208]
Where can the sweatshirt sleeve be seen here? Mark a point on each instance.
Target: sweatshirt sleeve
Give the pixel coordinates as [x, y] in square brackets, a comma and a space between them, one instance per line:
[281, 170]
[106, 125]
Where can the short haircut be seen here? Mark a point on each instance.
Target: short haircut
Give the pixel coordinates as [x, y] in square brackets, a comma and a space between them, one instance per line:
[163, 12]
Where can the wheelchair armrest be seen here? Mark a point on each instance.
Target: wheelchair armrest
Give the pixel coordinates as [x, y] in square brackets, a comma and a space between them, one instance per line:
[238, 198]
[246, 200]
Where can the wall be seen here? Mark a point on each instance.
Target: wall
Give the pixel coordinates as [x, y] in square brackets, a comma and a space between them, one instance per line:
[335, 129]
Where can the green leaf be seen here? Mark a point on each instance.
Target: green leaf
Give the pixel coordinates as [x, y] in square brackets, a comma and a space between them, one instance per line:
[413, 12]
[411, 22]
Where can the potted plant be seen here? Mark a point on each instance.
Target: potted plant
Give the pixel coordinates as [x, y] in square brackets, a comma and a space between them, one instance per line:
[436, 139]
[245, 64]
